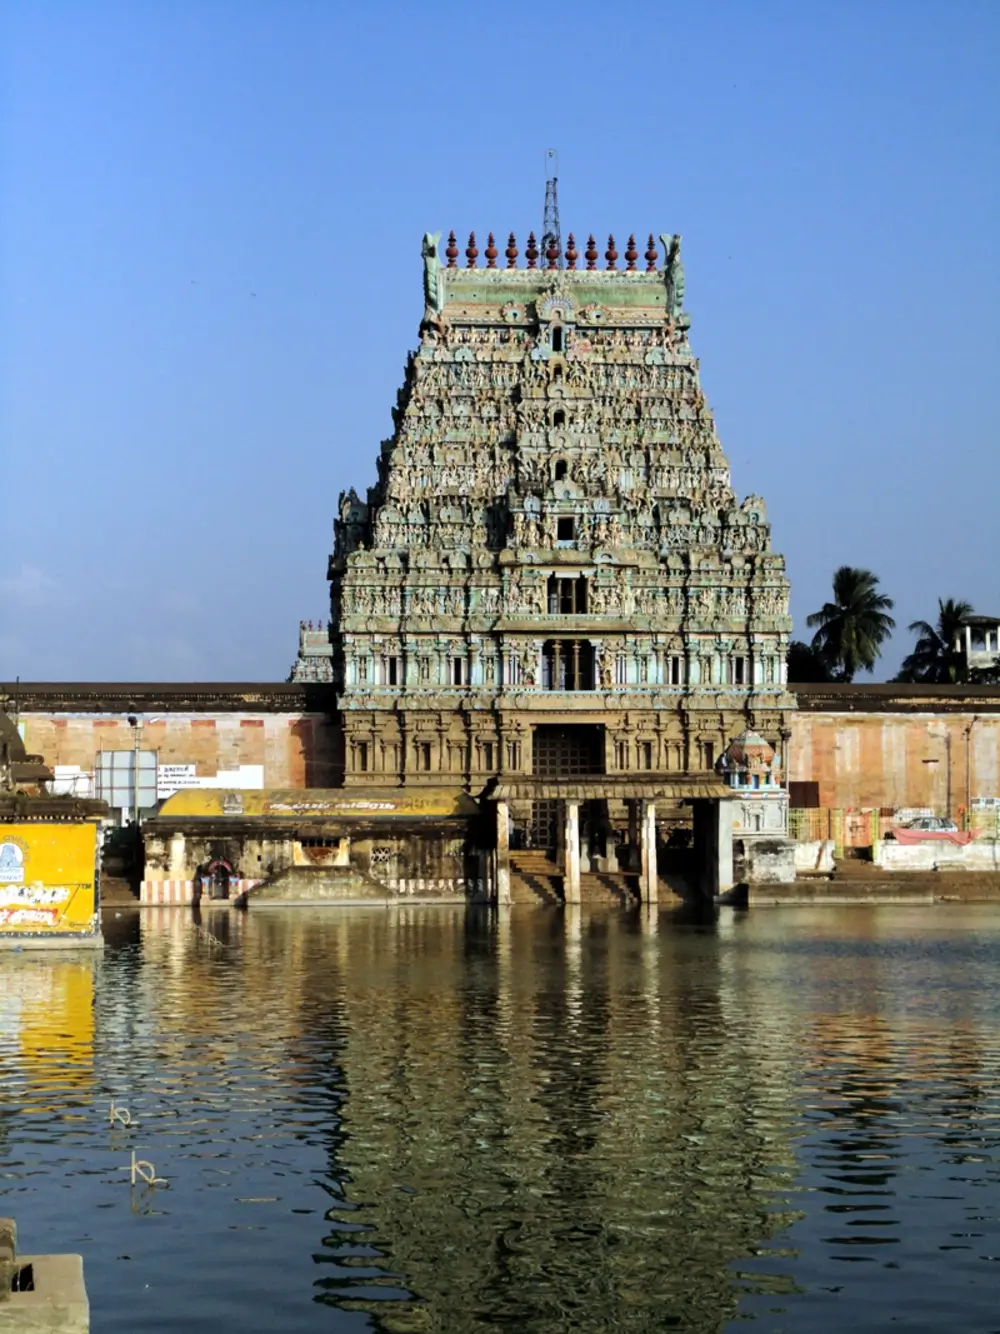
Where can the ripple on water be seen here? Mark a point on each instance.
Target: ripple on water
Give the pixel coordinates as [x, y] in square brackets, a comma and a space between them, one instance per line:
[433, 1120]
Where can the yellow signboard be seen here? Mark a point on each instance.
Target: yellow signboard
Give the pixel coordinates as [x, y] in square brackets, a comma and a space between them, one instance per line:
[48, 881]
[318, 804]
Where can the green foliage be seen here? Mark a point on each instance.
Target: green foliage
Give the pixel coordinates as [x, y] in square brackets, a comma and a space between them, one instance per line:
[805, 665]
[851, 630]
[934, 660]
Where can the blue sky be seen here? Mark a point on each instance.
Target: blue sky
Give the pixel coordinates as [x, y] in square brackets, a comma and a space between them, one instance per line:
[210, 276]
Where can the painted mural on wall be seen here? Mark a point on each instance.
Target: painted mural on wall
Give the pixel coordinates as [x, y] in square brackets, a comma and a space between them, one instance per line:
[48, 881]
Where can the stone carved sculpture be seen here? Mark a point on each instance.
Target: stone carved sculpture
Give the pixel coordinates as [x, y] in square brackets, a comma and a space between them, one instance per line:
[480, 429]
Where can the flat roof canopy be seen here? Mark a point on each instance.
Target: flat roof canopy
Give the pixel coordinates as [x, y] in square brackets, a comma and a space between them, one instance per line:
[311, 803]
[621, 787]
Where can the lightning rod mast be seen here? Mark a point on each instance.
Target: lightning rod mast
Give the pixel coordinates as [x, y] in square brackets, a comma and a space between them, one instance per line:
[550, 224]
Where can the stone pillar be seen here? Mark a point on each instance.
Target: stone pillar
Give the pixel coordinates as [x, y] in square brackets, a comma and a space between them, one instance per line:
[612, 857]
[722, 828]
[713, 839]
[649, 881]
[178, 858]
[571, 880]
[503, 853]
[633, 833]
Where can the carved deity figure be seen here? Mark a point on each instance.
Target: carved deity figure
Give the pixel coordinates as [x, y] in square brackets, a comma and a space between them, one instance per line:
[513, 599]
[674, 275]
[529, 665]
[606, 668]
[432, 266]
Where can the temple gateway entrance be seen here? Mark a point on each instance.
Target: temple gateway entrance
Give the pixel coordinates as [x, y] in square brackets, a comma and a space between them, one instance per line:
[562, 750]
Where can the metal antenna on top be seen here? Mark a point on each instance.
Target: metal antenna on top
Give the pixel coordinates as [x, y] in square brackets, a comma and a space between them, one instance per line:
[551, 237]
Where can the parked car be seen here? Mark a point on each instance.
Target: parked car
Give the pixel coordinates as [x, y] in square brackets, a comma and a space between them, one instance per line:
[931, 824]
[926, 828]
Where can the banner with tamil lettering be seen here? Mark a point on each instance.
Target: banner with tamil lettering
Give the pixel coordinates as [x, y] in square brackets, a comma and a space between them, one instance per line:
[48, 880]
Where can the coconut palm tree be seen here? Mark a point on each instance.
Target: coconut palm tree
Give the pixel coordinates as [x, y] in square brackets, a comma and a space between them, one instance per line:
[805, 665]
[852, 628]
[934, 660]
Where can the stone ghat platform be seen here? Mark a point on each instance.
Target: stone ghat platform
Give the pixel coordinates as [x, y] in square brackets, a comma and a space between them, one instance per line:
[43, 1293]
[862, 882]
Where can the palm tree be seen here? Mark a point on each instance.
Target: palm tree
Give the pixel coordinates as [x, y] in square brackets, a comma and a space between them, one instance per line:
[853, 627]
[805, 665]
[934, 660]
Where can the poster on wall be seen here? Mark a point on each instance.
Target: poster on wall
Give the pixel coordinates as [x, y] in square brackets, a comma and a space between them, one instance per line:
[48, 881]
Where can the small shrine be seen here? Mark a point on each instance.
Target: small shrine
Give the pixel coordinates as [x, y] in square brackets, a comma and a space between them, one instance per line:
[750, 766]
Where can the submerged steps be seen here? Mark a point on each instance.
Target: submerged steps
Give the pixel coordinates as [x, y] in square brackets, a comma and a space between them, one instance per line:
[536, 878]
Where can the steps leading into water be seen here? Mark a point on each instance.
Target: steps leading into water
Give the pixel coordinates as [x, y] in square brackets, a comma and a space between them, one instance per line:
[536, 878]
[118, 892]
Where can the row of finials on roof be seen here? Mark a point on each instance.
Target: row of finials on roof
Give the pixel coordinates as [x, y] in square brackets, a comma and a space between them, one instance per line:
[551, 256]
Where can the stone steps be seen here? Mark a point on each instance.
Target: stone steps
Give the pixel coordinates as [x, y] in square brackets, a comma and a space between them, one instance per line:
[117, 892]
[536, 878]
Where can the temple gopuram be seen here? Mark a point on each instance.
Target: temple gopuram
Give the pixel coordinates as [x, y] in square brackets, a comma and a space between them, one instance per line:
[552, 595]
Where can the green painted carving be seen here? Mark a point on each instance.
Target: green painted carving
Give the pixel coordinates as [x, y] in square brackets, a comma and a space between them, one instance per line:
[432, 269]
[674, 275]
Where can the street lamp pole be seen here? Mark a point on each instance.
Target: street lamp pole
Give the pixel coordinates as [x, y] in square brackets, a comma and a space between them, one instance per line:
[968, 772]
[136, 726]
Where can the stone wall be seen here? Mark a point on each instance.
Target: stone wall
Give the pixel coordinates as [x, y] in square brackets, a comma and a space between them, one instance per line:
[292, 750]
[279, 735]
[939, 855]
[861, 746]
[764, 861]
[897, 746]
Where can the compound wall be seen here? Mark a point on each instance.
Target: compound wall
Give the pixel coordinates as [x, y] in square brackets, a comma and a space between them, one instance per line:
[899, 747]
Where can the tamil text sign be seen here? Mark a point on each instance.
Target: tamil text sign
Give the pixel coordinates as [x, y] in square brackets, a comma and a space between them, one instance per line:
[47, 878]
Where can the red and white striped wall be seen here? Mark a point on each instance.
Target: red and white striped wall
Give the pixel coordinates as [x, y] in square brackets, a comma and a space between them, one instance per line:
[182, 891]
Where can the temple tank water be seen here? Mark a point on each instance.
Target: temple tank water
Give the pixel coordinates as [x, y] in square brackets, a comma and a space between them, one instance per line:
[442, 1119]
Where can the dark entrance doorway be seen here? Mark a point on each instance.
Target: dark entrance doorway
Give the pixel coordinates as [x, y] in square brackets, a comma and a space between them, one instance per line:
[214, 880]
[561, 751]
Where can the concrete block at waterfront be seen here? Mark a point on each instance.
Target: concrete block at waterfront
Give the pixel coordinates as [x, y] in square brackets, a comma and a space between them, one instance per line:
[764, 861]
[939, 855]
[40, 1293]
[815, 855]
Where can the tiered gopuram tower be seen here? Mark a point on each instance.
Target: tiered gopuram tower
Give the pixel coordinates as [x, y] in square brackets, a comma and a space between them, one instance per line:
[552, 574]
